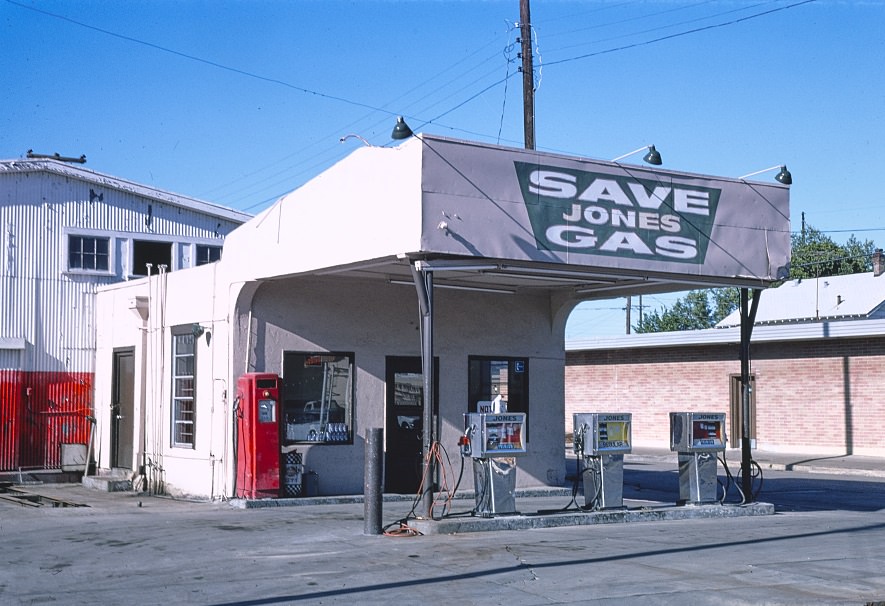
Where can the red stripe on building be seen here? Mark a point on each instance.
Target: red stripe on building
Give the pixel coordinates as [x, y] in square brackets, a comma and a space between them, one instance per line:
[40, 411]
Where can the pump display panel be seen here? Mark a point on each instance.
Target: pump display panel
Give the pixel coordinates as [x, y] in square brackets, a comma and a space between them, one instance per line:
[697, 431]
[495, 435]
[602, 433]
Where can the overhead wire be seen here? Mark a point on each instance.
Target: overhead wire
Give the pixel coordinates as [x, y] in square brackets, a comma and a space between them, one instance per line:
[314, 161]
[508, 61]
[251, 74]
[198, 59]
[642, 17]
[679, 34]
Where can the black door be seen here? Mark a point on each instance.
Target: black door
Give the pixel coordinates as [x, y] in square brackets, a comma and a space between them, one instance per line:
[123, 409]
[405, 414]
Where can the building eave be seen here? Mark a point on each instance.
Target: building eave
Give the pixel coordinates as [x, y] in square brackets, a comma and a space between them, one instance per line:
[63, 169]
[811, 331]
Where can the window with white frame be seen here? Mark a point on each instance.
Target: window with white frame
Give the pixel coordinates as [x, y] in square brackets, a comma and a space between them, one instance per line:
[183, 388]
[88, 253]
[207, 254]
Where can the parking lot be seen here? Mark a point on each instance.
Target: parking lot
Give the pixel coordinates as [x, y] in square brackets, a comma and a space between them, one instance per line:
[825, 544]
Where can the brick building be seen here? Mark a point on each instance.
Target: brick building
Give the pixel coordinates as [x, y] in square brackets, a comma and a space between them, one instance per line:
[817, 351]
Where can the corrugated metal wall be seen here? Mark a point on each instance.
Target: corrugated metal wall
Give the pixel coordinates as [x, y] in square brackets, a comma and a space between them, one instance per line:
[52, 309]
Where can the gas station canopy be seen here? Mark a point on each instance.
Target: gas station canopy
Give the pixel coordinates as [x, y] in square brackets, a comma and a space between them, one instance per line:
[490, 218]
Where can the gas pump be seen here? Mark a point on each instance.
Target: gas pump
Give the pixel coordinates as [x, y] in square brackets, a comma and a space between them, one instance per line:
[600, 442]
[258, 435]
[697, 437]
[493, 440]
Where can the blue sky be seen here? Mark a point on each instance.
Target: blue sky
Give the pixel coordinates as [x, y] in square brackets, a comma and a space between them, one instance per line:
[239, 102]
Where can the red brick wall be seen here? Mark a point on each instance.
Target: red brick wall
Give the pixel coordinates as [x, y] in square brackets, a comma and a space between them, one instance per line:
[823, 397]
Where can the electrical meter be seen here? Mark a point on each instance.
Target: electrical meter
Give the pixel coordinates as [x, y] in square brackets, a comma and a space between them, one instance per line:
[697, 431]
[598, 433]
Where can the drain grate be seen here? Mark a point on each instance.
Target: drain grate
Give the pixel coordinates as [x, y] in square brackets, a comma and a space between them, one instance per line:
[31, 499]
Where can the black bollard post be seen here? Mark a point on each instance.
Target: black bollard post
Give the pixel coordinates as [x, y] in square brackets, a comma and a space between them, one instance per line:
[372, 481]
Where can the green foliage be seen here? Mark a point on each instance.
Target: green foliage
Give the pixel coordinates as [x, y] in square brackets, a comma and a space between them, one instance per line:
[814, 255]
[697, 309]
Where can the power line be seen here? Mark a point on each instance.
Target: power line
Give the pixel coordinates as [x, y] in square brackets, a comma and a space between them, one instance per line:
[679, 34]
[376, 109]
[845, 231]
[209, 62]
[639, 18]
[372, 108]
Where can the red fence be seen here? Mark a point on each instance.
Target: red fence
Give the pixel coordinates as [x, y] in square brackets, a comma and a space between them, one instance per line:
[40, 411]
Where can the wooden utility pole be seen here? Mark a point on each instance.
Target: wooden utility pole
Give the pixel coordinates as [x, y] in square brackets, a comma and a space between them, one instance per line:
[629, 306]
[528, 77]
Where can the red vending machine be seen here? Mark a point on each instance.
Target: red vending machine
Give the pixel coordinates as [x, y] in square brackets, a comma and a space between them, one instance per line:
[258, 435]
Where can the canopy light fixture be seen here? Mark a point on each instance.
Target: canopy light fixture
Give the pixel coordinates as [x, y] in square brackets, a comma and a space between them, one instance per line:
[486, 289]
[452, 266]
[609, 287]
[783, 176]
[652, 157]
[401, 130]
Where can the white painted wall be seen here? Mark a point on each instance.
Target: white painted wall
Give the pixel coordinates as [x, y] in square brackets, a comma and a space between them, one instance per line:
[371, 319]
[173, 299]
[375, 320]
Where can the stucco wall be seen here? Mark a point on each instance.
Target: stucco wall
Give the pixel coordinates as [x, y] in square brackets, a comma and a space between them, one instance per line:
[375, 320]
[811, 396]
[175, 299]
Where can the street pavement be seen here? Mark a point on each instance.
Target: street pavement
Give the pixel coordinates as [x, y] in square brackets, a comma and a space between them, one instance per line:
[825, 544]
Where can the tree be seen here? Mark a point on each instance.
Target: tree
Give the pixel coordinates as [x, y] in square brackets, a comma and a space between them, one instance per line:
[814, 254]
[693, 311]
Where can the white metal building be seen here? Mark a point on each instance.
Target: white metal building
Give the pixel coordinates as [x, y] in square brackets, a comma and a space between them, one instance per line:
[467, 255]
[66, 230]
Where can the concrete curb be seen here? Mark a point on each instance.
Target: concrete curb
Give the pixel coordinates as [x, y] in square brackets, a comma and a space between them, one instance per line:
[582, 518]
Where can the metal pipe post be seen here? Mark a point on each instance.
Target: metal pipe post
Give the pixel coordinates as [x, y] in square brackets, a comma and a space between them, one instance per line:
[748, 318]
[427, 421]
[372, 489]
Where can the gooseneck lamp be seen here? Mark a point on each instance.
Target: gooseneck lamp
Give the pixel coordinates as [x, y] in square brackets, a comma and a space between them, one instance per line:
[401, 130]
[653, 156]
[783, 176]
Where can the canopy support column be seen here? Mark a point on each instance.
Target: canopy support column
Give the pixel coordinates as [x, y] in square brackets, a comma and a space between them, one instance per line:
[424, 285]
[748, 318]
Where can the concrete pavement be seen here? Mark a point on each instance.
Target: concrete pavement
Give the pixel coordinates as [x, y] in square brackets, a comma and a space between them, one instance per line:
[824, 545]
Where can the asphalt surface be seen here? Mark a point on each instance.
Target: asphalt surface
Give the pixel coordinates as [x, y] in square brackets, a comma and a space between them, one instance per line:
[825, 544]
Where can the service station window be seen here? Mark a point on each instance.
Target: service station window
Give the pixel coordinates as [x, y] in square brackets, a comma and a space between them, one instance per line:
[490, 377]
[183, 385]
[317, 397]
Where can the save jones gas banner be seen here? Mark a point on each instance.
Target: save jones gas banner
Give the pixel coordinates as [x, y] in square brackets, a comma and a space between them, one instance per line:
[572, 210]
[525, 205]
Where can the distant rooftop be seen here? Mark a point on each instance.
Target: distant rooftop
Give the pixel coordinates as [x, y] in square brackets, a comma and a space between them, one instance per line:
[799, 310]
[848, 297]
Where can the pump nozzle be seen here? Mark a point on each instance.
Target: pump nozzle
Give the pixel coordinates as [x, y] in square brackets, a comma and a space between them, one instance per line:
[464, 441]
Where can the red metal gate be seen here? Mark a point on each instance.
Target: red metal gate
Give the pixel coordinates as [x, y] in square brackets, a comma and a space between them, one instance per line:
[40, 411]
